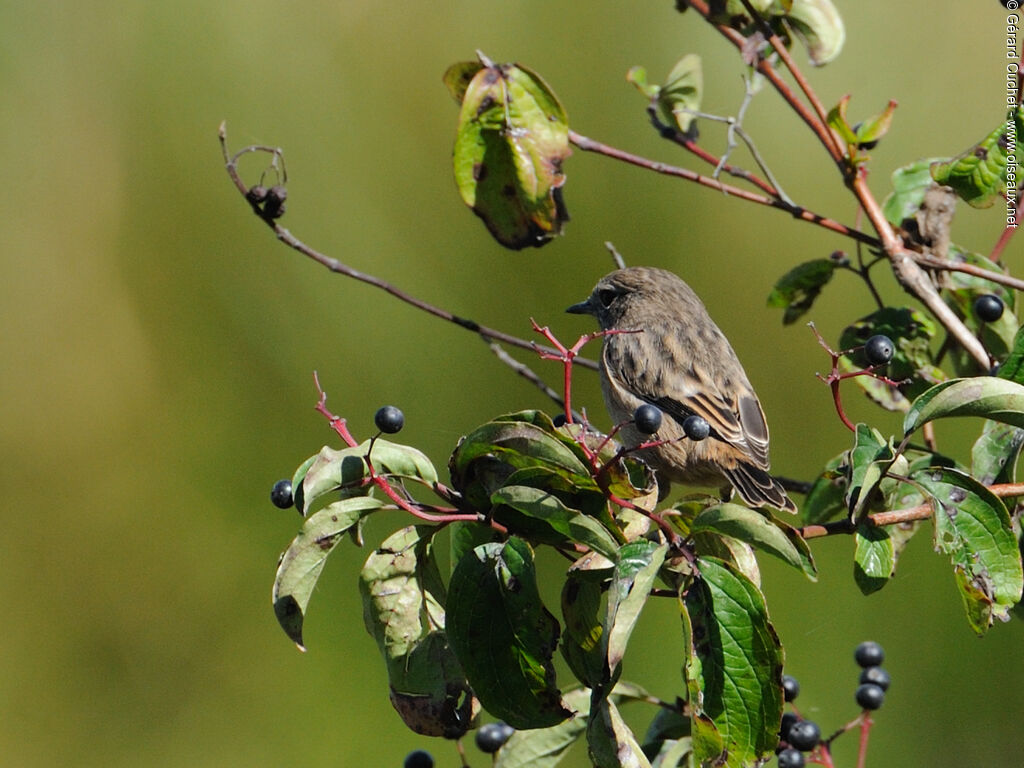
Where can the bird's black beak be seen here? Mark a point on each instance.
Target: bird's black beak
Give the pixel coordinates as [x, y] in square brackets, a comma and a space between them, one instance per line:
[583, 308]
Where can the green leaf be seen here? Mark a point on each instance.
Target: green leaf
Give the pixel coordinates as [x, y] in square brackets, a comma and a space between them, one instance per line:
[909, 184]
[504, 636]
[797, 289]
[978, 175]
[737, 669]
[403, 599]
[332, 469]
[458, 77]
[985, 396]
[874, 559]
[584, 611]
[512, 139]
[761, 530]
[611, 742]
[634, 574]
[836, 119]
[302, 563]
[820, 27]
[637, 75]
[995, 453]
[870, 458]
[666, 725]
[545, 747]
[681, 94]
[673, 753]
[973, 527]
[297, 480]
[827, 498]
[1012, 368]
[568, 525]
[876, 126]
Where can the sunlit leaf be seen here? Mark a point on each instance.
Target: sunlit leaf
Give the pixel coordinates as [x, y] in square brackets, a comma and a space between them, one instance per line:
[512, 139]
[1012, 368]
[681, 94]
[989, 397]
[978, 175]
[973, 527]
[303, 561]
[761, 530]
[820, 27]
[738, 668]
[333, 469]
[909, 185]
[635, 570]
[565, 525]
[874, 558]
[870, 458]
[995, 453]
[583, 613]
[403, 609]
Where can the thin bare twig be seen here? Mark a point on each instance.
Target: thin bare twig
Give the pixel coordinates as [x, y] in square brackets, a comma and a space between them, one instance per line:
[590, 145]
[334, 265]
[934, 262]
[673, 134]
[527, 373]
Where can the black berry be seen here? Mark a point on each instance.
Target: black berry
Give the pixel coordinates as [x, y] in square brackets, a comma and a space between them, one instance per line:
[789, 719]
[274, 205]
[876, 675]
[790, 687]
[559, 420]
[281, 494]
[696, 428]
[869, 654]
[804, 735]
[492, 736]
[256, 194]
[419, 758]
[879, 349]
[791, 758]
[647, 419]
[870, 696]
[988, 308]
[389, 419]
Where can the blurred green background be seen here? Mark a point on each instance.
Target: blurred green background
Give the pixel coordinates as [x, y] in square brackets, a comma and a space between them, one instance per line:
[159, 346]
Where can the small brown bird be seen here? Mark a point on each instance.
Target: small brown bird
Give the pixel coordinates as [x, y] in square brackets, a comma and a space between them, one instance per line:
[681, 363]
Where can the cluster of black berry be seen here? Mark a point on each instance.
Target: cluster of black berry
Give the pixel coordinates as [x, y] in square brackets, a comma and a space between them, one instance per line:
[796, 735]
[489, 739]
[874, 680]
[388, 420]
[269, 201]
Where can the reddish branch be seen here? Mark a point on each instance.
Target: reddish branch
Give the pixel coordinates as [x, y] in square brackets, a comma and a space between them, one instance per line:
[898, 516]
[798, 212]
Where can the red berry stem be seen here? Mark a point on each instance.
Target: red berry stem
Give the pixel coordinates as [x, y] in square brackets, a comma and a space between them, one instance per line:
[337, 423]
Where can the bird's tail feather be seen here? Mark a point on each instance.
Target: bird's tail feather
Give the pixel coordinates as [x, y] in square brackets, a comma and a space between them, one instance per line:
[758, 488]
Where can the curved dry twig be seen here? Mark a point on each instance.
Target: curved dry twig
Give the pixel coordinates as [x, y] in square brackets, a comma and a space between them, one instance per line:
[488, 335]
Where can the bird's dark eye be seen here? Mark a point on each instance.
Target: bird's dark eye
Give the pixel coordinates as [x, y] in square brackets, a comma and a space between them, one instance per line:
[606, 296]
